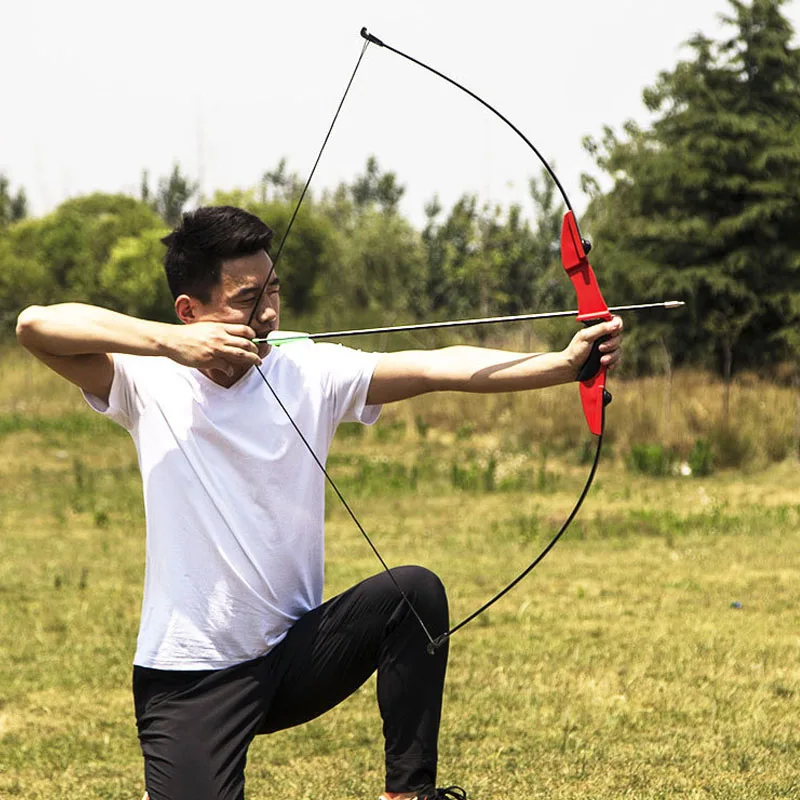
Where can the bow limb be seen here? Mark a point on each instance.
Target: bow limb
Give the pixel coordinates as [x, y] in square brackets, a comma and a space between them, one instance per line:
[592, 308]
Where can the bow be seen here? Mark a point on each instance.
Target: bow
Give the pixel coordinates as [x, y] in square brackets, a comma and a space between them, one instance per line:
[592, 309]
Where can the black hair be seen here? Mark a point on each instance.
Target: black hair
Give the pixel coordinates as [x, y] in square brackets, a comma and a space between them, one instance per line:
[203, 240]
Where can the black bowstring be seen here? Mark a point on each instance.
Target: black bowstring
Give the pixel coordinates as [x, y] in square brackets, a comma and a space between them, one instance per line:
[433, 644]
[440, 640]
[587, 485]
[305, 187]
[269, 386]
[370, 38]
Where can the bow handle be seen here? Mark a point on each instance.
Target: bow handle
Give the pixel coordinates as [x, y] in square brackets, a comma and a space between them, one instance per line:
[592, 309]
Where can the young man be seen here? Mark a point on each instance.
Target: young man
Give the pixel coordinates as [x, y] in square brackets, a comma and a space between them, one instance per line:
[234, 638]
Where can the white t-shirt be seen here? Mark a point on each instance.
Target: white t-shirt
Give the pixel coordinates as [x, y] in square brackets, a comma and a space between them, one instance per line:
[233, 499]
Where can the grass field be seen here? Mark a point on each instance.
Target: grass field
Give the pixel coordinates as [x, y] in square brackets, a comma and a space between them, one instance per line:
[655, 653]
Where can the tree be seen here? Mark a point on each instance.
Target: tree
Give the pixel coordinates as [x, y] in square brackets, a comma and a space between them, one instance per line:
[134, 277]
[375, 188]
[279, 184]
[704, 204]
[173, 193]
[13, 207]
[62, 256]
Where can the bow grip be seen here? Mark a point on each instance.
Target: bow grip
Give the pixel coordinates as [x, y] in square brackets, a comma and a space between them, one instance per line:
[592, 364]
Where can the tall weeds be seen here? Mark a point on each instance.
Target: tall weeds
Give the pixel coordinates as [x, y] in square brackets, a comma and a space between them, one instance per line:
[760, 431]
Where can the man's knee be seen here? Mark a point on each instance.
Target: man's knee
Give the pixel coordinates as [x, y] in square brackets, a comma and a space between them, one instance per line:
[423, 587]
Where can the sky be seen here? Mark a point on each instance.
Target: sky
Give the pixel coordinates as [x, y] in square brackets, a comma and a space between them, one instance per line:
[95, 91]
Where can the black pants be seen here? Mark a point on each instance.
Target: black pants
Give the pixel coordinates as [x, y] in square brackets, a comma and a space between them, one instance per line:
[195, 727]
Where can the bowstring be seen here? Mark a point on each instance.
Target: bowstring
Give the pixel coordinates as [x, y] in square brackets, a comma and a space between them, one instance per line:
[269, 386]
[433, 644]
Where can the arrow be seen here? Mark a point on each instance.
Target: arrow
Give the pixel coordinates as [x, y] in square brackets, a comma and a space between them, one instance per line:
[279, 338]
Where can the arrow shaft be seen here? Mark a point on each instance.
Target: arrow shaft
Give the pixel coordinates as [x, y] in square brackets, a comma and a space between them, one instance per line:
[277, 339]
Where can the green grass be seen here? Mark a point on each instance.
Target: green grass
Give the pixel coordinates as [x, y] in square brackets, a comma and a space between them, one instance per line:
[621, 668]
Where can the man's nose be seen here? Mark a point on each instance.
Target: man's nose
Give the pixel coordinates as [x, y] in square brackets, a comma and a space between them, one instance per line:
[267, 312]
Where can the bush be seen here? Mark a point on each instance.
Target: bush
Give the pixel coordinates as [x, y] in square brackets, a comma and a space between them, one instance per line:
[701, 459]
[732, 447]
[655, 460]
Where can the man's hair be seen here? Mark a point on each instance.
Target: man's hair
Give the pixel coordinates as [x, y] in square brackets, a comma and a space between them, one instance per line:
[203, 240]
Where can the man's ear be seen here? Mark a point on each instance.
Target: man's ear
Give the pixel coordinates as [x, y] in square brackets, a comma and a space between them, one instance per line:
[186, 308]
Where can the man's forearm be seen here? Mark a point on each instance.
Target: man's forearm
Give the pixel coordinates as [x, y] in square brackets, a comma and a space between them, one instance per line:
[476, 369]
[463, 368]
[70, 329]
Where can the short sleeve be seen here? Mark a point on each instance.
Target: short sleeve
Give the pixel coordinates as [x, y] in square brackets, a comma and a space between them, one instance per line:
[349, 374]
[124, 403]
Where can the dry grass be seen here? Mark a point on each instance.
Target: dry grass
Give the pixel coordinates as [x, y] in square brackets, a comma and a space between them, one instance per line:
[620, 668]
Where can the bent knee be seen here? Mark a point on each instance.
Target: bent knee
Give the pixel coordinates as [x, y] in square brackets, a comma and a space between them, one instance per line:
[422, 584]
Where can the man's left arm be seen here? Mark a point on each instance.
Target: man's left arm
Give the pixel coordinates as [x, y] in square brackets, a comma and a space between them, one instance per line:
[398, 376]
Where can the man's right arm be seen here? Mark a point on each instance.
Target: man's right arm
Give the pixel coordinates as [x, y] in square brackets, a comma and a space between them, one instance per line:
[76, 340]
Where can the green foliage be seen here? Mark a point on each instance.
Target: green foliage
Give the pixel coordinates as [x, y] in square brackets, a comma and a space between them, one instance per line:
[703, 206]
[134, 276]
[654, 460]
[66, 255]
[486, 260]
[701, 458]
[13, 207]
[377, 189]
[704, 203]
[173, 193]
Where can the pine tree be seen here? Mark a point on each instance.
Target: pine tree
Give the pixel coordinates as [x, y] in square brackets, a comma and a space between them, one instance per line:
[705, 202]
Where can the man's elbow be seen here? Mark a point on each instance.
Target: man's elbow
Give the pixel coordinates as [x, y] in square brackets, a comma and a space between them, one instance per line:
[27, 323]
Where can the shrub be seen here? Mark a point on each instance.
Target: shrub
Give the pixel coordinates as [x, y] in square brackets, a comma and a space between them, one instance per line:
[655, 460]
[701, 459]
[732, 447]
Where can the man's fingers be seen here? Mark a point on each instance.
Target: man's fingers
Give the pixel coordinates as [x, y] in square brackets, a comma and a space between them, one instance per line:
[242, 339]
[238, 355]
[243, 331]
[611, 328]
[611, 344]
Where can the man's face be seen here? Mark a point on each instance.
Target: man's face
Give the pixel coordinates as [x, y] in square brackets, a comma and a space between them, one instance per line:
[233, 297]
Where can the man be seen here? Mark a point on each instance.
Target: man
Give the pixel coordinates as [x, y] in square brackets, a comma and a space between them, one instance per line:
[234, 638]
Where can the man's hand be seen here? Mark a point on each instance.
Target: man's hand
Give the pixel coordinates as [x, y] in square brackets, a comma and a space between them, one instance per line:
[218, 346]
[75, 341]
[578, 350]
